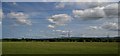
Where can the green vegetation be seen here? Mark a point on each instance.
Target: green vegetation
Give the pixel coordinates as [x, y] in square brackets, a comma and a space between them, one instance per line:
[0, 48]
[65, 39]
[60, 47]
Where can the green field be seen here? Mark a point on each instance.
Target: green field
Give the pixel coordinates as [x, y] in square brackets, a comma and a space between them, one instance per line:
[60, 48]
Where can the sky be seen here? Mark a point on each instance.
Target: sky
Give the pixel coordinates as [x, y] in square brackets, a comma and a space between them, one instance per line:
[59, 0]
[56, 19]
[0, 20]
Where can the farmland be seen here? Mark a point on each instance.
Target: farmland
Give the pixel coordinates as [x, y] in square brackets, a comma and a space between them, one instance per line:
[60, 47]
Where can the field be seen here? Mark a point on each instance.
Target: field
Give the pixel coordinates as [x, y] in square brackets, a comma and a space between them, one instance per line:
[60, 48]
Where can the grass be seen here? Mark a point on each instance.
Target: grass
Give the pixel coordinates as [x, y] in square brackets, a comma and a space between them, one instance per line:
[0, 48]
[60, 48]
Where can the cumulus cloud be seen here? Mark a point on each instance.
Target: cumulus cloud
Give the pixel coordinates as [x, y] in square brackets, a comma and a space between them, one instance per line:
[110, 26]
[51, 26]
[86, 0]
[57, 0]
[20, 17]
[1, 14]
[110, 10]
[59, 19]
[83, 3]
[95, 13]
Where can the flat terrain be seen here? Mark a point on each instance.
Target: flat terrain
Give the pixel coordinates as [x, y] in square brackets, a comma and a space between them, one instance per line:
[60, 48]
[0, 48]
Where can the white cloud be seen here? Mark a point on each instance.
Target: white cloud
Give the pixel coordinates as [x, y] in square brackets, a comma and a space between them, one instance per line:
[61, 31]
[0, 22]
[88, 14]
[94, 27]
[110, 26]
[20, 17]
[1, 14]
[82, 3]
[57, 30]
[51, 26]
[57, 0]
[86, 0]
[110, 10]
[59, 19]
[60, 5]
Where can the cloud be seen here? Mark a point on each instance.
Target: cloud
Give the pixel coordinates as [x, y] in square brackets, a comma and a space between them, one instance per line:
[110, 10]
[58, 30]
[14, 3]
[62, 31]
[60, 5]
[94, 27]
[51, 26]
[95, 13]
[110, 26]
[59, 19]
[1, 14]
[20, 17]
[86, 0]
[82, 4]
[56, 0]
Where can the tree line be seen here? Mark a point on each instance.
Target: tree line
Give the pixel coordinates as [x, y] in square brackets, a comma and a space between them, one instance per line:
[115, 39]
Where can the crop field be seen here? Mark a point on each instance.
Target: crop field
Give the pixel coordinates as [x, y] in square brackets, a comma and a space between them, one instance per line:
[60, 47]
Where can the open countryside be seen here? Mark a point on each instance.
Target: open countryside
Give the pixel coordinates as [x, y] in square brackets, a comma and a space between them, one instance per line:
[60, 48]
